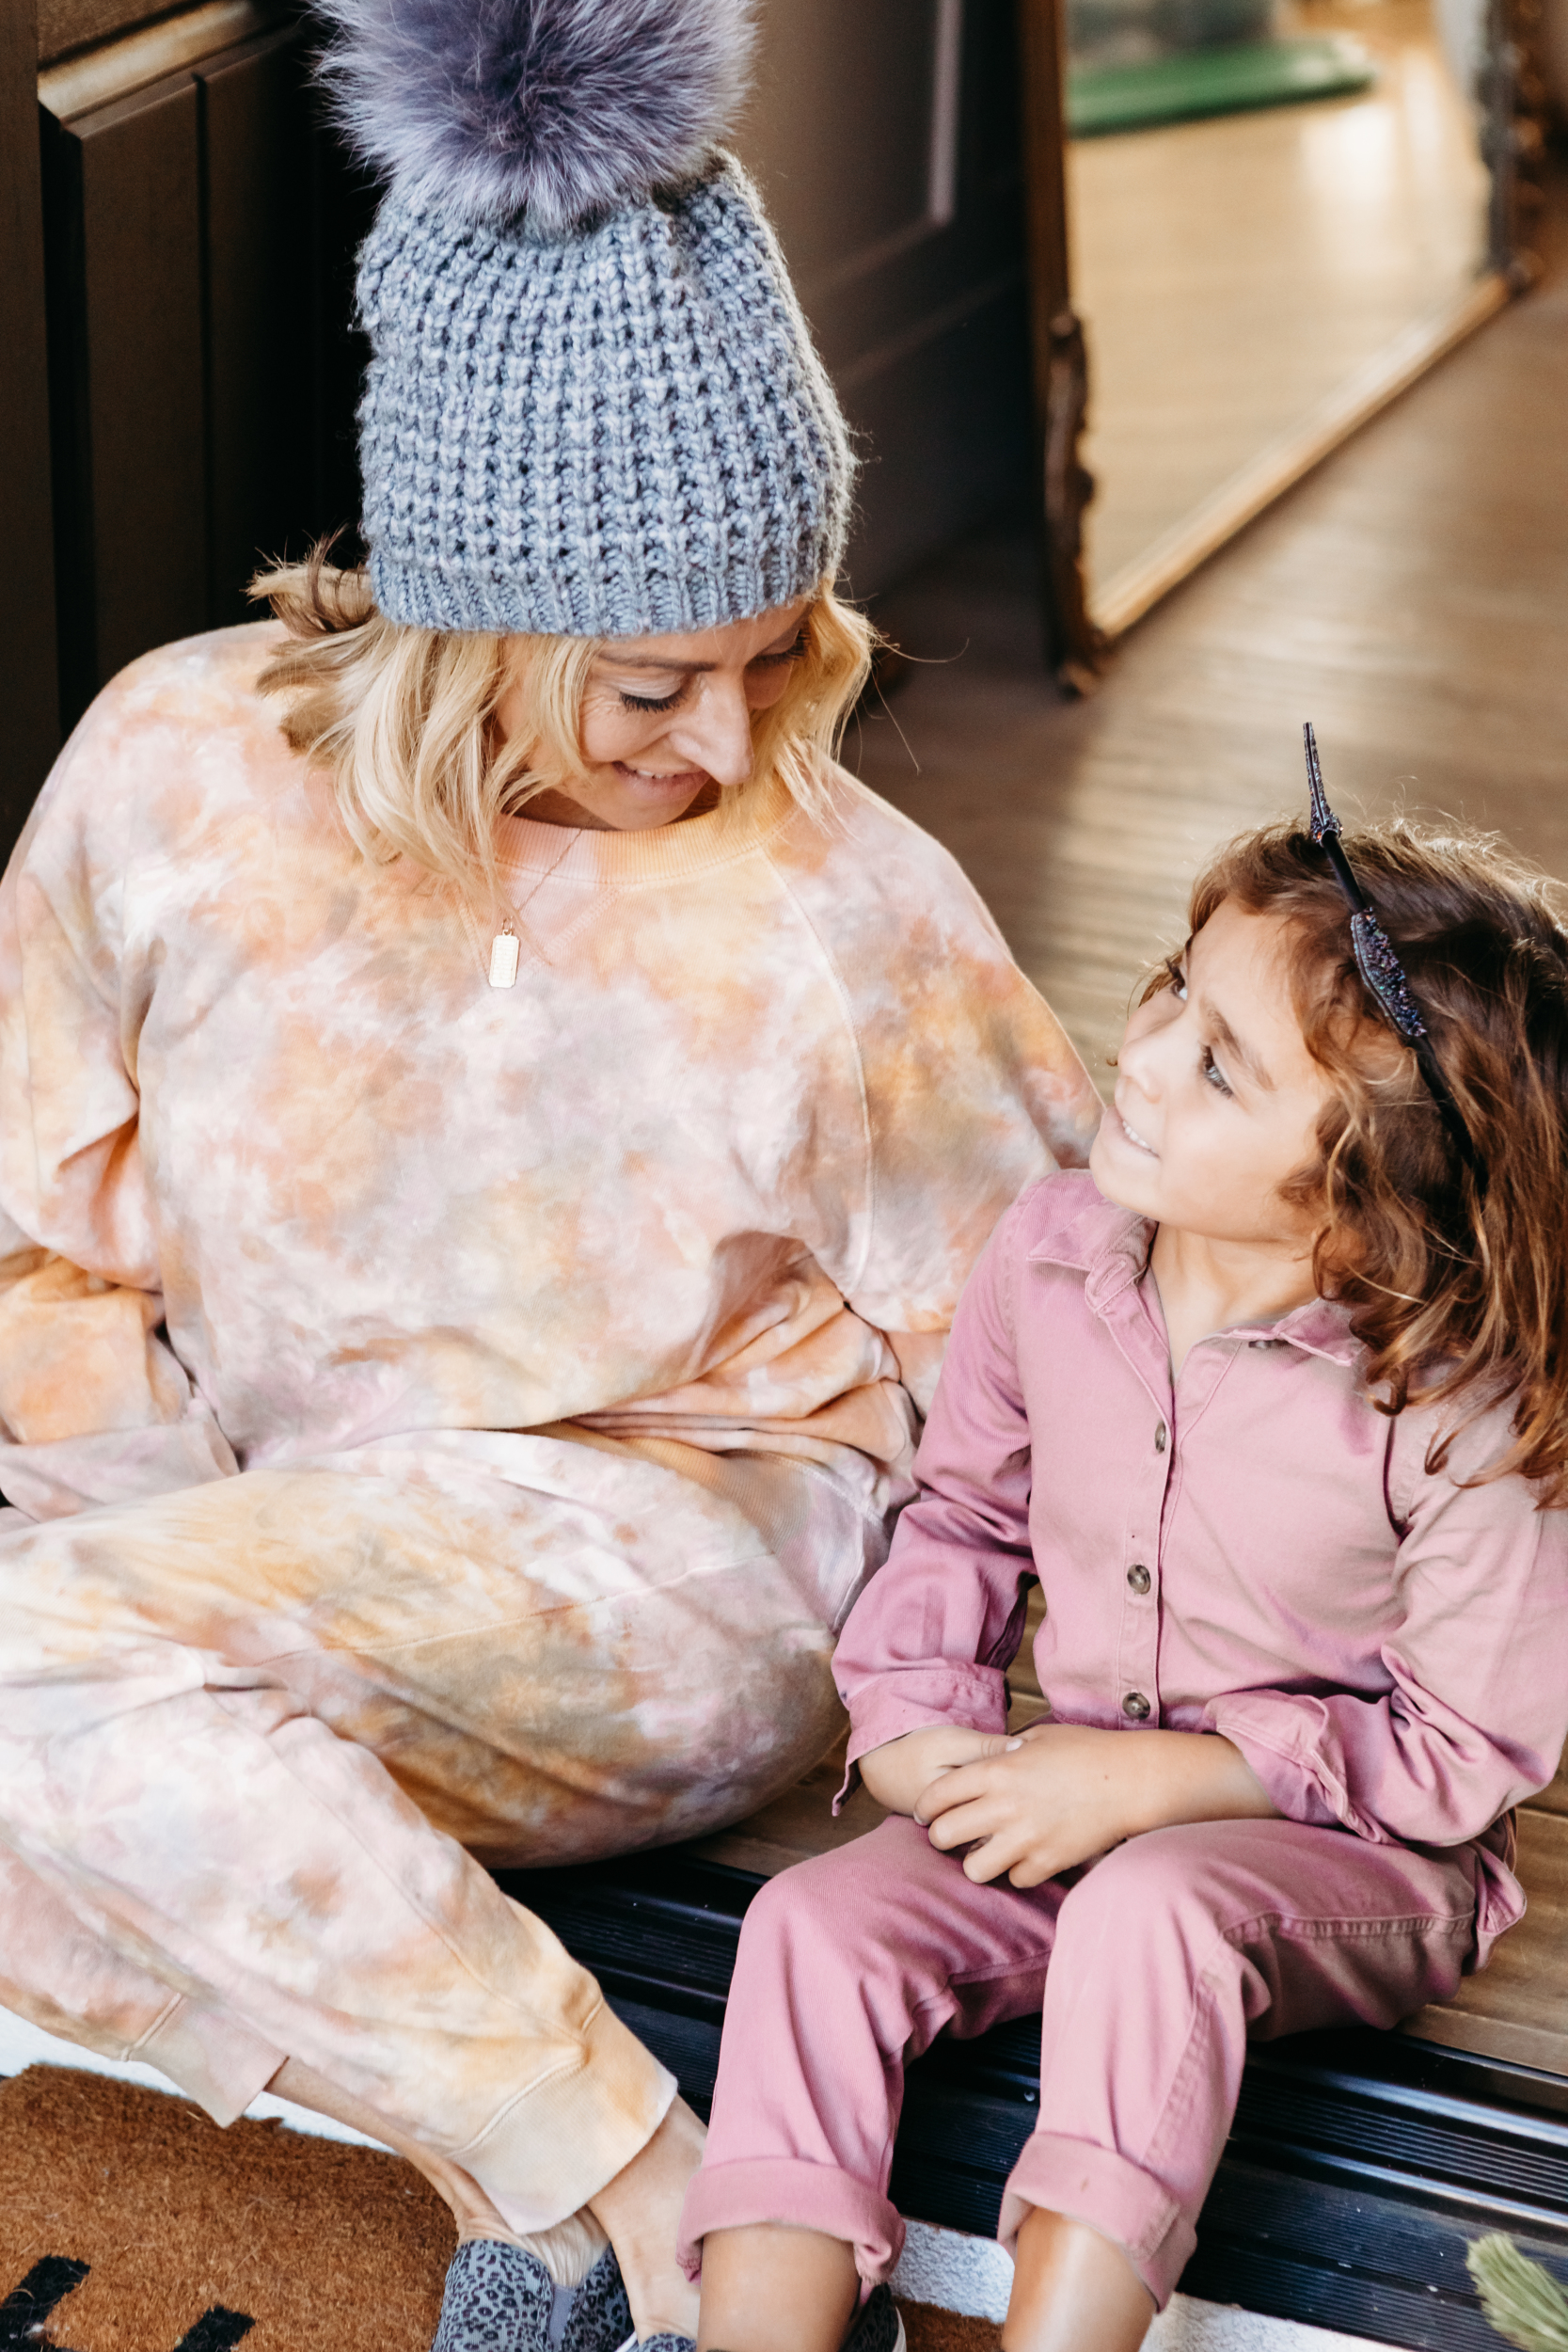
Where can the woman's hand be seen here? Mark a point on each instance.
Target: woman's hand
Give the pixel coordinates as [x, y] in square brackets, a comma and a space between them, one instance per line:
[899, 1773]
[1061, 1793]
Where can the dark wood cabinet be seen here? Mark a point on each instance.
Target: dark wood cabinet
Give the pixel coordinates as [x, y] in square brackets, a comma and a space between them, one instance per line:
[30, 730]
[200, 228]
[122, 202]
[885, 139]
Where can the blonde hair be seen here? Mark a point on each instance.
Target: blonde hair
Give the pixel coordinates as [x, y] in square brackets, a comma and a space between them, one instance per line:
[402, 719]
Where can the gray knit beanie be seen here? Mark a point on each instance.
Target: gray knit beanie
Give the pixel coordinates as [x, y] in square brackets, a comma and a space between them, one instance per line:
[593, 407]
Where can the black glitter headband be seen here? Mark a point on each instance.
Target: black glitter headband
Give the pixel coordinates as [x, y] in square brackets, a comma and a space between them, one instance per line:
[1379, 967]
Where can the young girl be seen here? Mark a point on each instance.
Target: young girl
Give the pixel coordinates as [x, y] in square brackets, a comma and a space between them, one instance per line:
[1273, 1403]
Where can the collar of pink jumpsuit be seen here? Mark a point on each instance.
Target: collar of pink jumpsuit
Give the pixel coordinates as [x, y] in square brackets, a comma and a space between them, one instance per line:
[1260, 1552]
[1110, 1248]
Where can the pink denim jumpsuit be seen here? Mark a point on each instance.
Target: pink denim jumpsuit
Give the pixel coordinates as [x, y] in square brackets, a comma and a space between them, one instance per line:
[1256, 1552]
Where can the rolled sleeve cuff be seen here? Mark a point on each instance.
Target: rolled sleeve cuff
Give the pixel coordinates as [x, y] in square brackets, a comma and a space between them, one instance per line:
[971, 1698]
[1294, 1776]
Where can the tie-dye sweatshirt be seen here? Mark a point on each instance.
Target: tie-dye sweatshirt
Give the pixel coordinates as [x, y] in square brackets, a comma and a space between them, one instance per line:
[281, 1174]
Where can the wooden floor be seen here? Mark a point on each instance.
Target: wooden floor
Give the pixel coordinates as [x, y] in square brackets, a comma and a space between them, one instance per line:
[1233, 274]
[1412, 599]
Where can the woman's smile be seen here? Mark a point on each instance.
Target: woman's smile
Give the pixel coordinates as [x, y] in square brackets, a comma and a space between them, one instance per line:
[676, 780]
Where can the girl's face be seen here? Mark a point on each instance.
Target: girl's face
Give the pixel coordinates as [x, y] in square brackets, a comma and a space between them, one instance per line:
[1217, 1098]
[667, 721]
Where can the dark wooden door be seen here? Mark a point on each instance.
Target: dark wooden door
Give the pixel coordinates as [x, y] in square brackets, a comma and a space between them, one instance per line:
[885, 137]
[179, 373]
[32, 715]
[199, 226]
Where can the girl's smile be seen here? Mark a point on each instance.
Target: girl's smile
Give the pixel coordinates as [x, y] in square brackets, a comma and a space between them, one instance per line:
[1139, 1142]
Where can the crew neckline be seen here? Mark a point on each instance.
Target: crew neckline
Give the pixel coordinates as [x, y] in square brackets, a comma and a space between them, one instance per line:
[692, 845]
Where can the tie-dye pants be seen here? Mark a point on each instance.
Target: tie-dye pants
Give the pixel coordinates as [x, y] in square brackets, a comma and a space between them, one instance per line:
[253, 1735]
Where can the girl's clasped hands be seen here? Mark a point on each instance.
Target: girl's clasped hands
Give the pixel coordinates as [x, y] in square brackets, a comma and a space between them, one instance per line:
[1040, 1802]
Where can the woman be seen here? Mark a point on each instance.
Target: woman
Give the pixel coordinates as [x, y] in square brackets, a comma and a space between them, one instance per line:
[493, 1125]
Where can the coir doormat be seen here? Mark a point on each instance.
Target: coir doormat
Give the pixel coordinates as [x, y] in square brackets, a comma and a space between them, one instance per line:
[130, 2223]
[144, 2228]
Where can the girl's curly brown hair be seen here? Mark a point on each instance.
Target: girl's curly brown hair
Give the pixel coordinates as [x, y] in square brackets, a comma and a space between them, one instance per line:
[1457, 1286]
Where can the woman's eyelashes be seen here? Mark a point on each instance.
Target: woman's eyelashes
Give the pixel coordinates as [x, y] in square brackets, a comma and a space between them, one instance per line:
[650, 702]
[793, 651]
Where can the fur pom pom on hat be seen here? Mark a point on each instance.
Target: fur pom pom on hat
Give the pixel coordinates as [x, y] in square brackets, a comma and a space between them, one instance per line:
[593, 407]
[543, 111]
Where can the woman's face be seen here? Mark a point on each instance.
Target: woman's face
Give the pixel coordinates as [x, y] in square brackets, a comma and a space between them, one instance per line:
[1217, 1098]
[667, 721]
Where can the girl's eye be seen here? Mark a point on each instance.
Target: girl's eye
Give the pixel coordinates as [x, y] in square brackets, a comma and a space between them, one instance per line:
[650, 702]
[1212, 1073]
[1176, 979]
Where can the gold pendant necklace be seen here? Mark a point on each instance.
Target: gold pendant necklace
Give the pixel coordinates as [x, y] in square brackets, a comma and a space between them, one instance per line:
[506, 947]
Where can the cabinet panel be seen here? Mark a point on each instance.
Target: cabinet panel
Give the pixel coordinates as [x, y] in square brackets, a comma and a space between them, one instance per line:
[885, 140]
[946, 427]
[841, 130]
[201, 226]
[31, 721]
[127, 366]
[259, 373]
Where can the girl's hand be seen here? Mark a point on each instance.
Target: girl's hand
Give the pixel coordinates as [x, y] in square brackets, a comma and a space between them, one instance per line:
[1060, 1793]
[899, 1773]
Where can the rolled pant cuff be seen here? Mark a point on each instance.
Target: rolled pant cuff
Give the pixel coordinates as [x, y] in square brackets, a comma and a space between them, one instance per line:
[557, 2143]
[211, 2057]
[1086, 2183]
[800, 2195]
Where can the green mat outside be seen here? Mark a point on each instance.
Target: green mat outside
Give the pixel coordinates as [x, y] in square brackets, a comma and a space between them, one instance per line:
[1214, 82]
